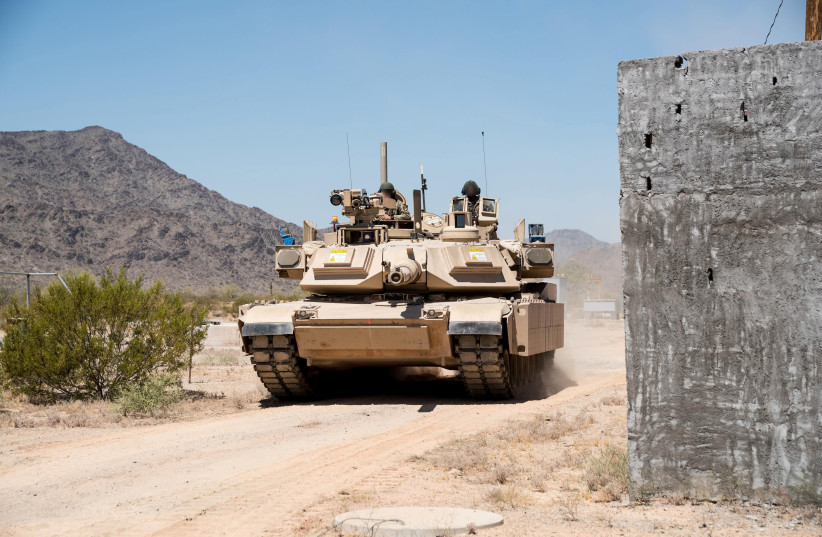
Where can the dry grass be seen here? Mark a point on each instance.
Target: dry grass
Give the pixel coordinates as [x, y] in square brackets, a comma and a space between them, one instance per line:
[353, 499]
[509, 497]
[17, 412]
[242, 399]
[495, 458]
[564, 460]
[539, 480]
[503, 473]
[606, 473]
[568, 506]
[614, 399]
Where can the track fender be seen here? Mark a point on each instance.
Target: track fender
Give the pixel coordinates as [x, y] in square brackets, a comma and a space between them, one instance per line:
[476, 318]
[267, 320]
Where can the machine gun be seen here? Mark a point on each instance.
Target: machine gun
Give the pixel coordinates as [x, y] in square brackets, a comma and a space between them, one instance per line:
[361, 207]
[288, 239]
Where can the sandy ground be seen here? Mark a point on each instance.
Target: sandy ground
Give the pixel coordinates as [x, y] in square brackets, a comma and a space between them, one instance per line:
[268, 469]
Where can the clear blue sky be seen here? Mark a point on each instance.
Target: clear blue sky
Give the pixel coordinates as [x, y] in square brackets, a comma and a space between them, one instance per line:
[253, 99]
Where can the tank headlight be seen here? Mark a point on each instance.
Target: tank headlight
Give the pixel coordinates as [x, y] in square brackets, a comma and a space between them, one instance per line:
[288, 258]
[539, 256]
[432, 313]
[336, 199]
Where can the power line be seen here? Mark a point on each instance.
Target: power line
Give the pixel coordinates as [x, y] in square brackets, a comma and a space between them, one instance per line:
[774, 21]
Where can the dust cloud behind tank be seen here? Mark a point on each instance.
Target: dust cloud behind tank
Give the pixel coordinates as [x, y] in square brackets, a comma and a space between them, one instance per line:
[436, 290]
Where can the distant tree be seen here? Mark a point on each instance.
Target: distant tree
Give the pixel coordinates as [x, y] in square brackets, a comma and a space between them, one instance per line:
[99, 338]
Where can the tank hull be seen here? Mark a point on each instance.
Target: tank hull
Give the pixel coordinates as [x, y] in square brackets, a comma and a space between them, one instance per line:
[481, 336]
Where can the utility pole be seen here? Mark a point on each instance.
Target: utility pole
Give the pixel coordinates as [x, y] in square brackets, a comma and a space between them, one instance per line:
[813, 20]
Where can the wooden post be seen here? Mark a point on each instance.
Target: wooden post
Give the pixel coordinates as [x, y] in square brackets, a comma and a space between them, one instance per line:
[813, 20]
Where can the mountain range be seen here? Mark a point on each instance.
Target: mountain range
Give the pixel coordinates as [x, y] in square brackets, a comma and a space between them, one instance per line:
[89, 199]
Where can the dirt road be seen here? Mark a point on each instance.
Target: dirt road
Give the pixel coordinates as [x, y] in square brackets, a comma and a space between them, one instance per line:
[254, 472]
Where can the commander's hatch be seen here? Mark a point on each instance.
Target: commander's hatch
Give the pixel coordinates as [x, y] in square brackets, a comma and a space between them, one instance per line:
[489, 212]
[487, 215]
[461, 218]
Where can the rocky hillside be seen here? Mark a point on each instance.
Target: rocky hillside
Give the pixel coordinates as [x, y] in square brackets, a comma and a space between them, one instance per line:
[567, 242]
[89, 199]
[579, 255]
[605, 261]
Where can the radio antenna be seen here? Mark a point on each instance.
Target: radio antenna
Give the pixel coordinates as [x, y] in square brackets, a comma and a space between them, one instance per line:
[424, 187]
[348, 146]
[484, 167]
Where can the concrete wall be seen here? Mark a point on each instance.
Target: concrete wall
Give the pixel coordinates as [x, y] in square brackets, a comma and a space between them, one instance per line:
[721, 216]
[223, 335]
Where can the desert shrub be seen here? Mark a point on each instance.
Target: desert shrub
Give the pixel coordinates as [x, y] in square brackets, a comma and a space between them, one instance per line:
[607, 472]
[569, 506]
[96, 338]
[509, 497]
[158, 393]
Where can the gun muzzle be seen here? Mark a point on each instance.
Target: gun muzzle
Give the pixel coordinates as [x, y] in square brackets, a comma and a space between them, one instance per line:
[404, 273]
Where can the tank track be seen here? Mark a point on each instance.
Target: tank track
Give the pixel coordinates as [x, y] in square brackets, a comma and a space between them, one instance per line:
[489, 372]
[280, 369]
[483, 363]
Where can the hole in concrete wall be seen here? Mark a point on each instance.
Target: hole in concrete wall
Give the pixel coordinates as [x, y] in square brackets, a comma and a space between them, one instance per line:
[678, 108]
[647, 183]
[649, 139]
[680, 62]
[744, 112]
[710, 274]
[774, 81]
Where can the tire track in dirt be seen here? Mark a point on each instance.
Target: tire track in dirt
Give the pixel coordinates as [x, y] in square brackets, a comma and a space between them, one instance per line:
[253, 504]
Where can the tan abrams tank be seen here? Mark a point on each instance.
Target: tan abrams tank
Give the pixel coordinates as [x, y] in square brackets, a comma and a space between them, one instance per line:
[436, 290]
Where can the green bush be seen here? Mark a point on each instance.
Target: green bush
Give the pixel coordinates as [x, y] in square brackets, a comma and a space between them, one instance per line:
[94, 340]
[156, 394]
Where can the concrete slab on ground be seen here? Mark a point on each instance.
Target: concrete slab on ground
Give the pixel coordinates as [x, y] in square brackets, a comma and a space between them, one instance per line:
[415, 521]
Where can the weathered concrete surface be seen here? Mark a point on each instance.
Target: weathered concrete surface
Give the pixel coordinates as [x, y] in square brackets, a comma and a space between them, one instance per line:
[223, 335]
[722, 255]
